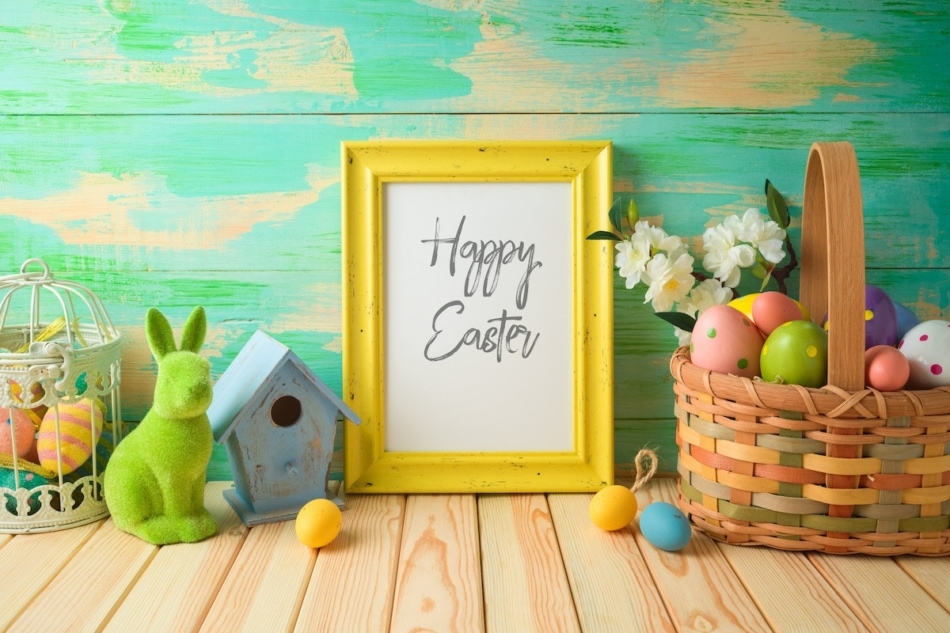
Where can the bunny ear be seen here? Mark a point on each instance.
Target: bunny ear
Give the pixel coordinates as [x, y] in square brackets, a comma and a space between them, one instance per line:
[195, 328]
[161, 339]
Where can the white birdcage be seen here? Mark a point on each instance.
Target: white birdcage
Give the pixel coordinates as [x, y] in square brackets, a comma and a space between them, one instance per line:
[59, 401]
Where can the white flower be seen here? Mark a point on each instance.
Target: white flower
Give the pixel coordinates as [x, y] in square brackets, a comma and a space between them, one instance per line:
[664, 263]
[707, 293]
[632, 257]
[682, 336]
[670, 280]
[659, 240]
[724, 256]
[634, 254]
[710, 292]
[765, 235]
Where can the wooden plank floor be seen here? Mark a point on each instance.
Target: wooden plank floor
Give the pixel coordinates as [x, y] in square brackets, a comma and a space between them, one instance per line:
[461, 563]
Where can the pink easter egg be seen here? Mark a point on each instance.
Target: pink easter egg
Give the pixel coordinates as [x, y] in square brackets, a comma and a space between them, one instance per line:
[885, 368]
[772, 309]
[726, 341]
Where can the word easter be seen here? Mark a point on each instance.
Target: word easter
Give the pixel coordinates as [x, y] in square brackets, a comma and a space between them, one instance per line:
[500, 336]
[486, 261]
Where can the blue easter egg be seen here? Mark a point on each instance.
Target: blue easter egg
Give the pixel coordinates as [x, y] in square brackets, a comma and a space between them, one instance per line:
[665, 527]
[906, 319]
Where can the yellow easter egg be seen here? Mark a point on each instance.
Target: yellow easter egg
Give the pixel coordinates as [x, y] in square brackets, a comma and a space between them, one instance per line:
[76, 421]
[318, 523]
[613, 508]
[744, 305]
[806, 315]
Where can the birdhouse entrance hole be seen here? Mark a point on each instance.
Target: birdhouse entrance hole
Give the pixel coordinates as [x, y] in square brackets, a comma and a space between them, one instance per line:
[285, 411]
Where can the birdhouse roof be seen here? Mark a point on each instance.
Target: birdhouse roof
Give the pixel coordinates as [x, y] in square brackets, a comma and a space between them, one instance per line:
[259, 361]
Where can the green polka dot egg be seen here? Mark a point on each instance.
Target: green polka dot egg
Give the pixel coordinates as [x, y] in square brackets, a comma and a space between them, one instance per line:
[796, 353]
[726, 341]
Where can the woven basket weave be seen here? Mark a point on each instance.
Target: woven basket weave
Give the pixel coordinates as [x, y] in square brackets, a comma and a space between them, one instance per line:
[841, 469]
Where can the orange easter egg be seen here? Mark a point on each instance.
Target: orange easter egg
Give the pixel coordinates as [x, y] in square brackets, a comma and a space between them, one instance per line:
[76, 421]
[19, 424]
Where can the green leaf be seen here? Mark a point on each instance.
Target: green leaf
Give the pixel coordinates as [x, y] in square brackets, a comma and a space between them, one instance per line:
[633, 213]
[678, 319]
[616, 214]
[763, 270]
[604, 235]
[778, 210]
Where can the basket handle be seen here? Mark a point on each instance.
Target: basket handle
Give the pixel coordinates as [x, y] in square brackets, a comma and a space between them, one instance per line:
[832, 262]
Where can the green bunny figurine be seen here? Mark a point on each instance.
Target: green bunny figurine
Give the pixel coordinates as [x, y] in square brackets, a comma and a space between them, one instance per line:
[154, 483]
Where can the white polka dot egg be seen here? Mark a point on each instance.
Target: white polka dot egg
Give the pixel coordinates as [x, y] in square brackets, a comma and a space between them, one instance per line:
[927, 348]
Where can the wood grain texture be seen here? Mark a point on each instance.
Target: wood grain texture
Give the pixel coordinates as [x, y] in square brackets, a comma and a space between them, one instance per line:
[171, 156]
[352, 585]
[934, 580]
[791, 593]
[538, 564]
[439, 586]
[105, 566]
[717, 599]
[883, 599]
[38, 560]
[630, 602]
[441, 55]
[186, 575]
[524, 582]
[265, 585]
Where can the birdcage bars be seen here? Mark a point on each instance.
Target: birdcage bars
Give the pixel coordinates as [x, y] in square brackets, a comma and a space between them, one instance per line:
[52, 364]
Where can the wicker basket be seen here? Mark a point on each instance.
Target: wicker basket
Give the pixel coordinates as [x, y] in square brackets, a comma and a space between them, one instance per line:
[841, 469]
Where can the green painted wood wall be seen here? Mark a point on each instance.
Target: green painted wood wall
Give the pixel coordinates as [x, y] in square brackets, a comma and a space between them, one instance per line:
[179, 153]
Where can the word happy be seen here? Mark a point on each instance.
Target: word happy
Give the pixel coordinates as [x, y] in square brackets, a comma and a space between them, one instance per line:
[485, 261]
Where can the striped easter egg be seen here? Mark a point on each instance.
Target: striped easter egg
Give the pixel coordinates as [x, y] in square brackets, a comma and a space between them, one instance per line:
[75, 434]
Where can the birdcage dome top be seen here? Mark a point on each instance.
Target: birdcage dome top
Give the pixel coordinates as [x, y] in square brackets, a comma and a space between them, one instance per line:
[55, 334]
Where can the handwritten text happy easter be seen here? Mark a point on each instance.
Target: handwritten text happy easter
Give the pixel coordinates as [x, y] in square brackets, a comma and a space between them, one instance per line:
[485, 261]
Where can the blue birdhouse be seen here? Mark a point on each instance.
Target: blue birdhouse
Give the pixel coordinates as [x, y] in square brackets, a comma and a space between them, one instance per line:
[277, 421]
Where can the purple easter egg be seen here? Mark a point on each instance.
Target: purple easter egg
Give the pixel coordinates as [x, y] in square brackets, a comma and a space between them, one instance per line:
[880, 318]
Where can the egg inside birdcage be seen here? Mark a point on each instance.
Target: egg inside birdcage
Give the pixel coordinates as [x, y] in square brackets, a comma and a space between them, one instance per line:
[60, 361]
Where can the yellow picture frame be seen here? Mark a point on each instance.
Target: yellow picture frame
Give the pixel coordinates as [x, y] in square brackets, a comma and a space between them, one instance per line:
[585, 167]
